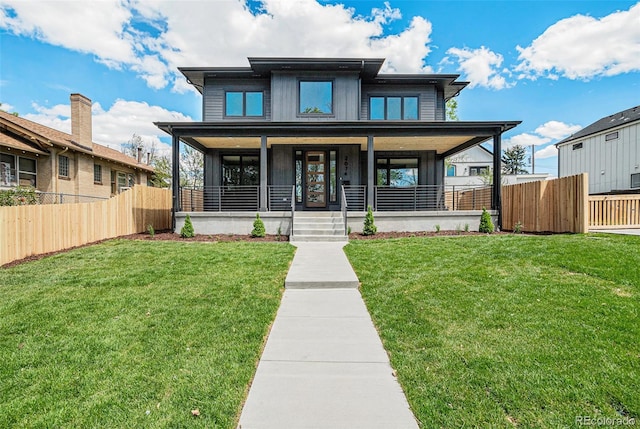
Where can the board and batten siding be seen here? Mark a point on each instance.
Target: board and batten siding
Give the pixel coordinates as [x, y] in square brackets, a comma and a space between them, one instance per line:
[427, 96]
[609, 164]
[213, 97]
[284, 87]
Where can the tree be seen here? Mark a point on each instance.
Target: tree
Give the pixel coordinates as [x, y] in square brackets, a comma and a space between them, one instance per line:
[191, 167]
[451, 110]
[514, 160]
[369, 223]
[136, 143]
[162, 172]
[486, 225]
[258, 227]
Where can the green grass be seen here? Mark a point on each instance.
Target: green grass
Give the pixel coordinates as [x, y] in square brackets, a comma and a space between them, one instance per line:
[136, 334]
[508, 331]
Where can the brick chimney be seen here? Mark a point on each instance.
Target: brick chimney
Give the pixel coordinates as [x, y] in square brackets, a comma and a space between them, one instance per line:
[81, 120]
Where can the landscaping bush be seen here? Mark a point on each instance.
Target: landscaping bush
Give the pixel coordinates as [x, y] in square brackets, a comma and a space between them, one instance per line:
[485, 222]
[18, 196]
[369, 225]
[258, 227]
[187, 229]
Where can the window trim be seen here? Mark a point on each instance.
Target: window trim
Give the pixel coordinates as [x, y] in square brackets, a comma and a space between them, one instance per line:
[241, 154]
[577, 146]
[388, 164]
[402, 98]
[611, 136]
[244, 104]
[332, 114]
[61, 174]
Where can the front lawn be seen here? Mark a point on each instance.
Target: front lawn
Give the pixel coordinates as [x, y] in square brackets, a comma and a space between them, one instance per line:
[509, 331]
[136, 334]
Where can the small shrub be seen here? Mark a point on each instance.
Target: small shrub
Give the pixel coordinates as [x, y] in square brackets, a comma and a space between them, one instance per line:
[458, 229]
[486, 225]
[466, 227]
[369, 225]
[437, 229]
[279, 233]
[187, 229]
[18, 196]
[348, 230]
[151, 230]
[517, 228]
[258, 227]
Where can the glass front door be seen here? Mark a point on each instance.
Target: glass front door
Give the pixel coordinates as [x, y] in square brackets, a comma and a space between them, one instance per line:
[316, 179]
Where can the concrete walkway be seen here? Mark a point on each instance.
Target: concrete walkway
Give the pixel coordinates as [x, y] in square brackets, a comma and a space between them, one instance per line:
[324, 365]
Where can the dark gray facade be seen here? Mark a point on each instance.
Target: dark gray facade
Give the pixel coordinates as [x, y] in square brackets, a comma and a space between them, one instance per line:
[326, 126]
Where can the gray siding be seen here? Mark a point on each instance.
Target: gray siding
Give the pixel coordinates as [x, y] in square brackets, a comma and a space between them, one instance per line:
[426, 98]
[284, 87]
[609, 164]
[282, 166]
[213, 97]
[349, 154]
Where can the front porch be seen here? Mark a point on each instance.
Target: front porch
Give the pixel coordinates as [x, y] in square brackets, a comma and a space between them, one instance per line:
[280, 169]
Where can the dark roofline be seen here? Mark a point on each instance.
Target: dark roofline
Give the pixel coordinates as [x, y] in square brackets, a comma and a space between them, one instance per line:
[606, 123]
[367, 68]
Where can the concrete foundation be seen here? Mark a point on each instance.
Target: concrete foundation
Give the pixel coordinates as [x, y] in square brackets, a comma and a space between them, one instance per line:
[401, 221]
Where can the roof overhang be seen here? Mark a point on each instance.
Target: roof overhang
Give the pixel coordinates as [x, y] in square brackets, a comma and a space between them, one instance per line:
[446, 138]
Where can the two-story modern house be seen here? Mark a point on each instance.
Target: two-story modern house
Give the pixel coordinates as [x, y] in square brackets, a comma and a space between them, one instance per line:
[287, 136]
[608, 150]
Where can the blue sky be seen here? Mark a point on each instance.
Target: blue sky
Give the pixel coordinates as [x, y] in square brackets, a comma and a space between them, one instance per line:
[555, 65]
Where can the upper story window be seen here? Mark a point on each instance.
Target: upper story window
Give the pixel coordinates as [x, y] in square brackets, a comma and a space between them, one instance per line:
[611, 136]
[577, 146]
[393, 108]
[316, 97]
[244, 103]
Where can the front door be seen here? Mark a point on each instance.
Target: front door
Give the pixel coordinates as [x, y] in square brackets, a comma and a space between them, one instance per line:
[316, 179]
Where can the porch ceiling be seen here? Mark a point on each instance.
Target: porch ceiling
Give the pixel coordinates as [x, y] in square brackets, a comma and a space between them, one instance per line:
[440, 144]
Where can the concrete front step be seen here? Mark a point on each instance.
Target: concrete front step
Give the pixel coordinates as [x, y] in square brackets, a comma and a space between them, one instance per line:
[318, 226]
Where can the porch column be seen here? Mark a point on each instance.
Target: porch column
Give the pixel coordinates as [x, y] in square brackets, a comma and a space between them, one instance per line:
[496, 199]
[175, 177]
[371, 171]
[263, 173]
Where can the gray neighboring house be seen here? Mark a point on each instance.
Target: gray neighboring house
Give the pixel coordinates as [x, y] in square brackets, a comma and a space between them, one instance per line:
[608, 150]
[293, 136]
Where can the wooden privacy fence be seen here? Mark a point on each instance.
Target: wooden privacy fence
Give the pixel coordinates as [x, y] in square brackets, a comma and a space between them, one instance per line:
[614, 211]
[559, 205]
[38, 229]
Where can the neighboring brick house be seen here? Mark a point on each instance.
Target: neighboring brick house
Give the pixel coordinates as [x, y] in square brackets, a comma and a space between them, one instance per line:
[32, 154]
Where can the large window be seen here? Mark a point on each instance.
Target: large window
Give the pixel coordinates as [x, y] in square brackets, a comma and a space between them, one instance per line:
[244, 103]
[63, 166]
[241, 170]
[25, 173]
[397, 171]
[393, 108]
[316, 97]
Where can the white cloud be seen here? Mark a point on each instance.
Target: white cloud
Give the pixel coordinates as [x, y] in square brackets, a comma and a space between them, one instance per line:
[557, 130]
[116, 125]
[481, 67]
[215, 32]
[584, 47]
[547, 152]
[526, 139]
